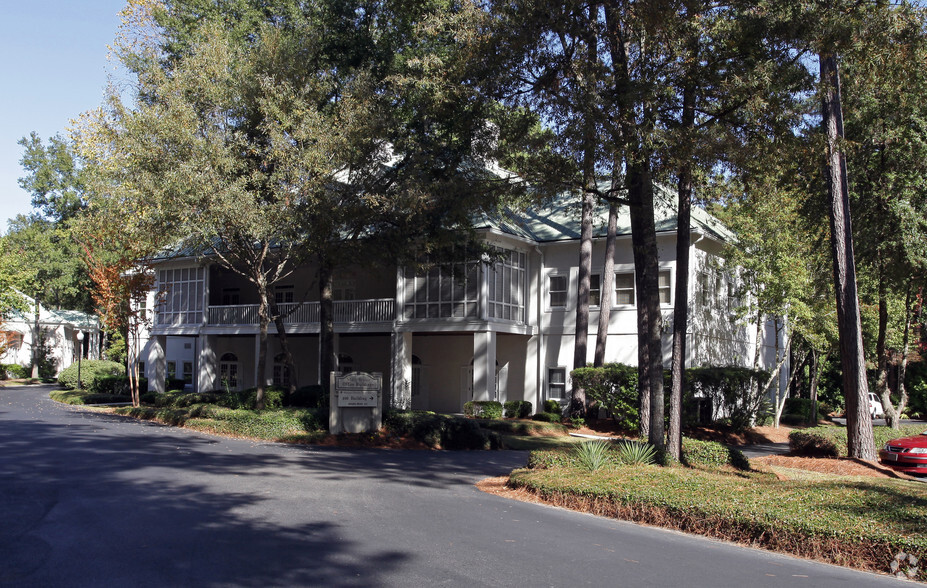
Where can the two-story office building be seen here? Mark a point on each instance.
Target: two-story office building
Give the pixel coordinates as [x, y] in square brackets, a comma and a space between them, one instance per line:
[479, 331]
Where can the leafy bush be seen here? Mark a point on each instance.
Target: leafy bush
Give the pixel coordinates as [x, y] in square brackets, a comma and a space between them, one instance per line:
[174, 383]
[117, 385]
[518, 409]
[435, 430]
[247, 399]
[614, 388]
[312, 396]
[712, 454]
[483, 409]
[548, 417]
[90, 370]
[592, 455]
[15, 371]
[730, 389]
[552, 405]
[812, 443]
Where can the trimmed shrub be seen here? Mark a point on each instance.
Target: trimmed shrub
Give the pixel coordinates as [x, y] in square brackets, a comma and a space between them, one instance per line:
[548, 417]
[712, 454]
[15, 371]
[614, 388]
[90, 370]
[518, 409]
[483, 409]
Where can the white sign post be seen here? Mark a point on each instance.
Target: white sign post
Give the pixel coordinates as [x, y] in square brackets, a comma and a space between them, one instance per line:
[356, 402]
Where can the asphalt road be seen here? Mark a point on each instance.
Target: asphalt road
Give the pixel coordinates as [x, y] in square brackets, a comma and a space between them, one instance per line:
[98, 500]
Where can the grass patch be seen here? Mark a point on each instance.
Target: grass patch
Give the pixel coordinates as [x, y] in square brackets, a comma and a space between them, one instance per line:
[857, 523]
[534, 442]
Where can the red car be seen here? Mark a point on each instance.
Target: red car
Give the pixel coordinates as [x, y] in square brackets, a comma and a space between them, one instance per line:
[908, 454]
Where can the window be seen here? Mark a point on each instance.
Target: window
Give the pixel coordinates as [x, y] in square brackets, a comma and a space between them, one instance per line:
[665, 287]
[506, 287]
[181, 295]
[141, 368]
[283, 294]
[172, 369]
[556, 382]
[624, 288]
[557, 287]
[231, 296]
[447, 291]
[188, 372]
[595, 290]
[344, 290]
[228, 371]
[281, 371]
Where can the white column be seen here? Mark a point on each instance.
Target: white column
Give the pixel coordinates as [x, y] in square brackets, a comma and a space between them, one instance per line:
[401, 371]
[157, 363]
[207, 367]
[484, 365]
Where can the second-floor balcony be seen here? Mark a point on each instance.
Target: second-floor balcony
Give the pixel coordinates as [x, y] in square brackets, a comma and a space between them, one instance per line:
[344, 311]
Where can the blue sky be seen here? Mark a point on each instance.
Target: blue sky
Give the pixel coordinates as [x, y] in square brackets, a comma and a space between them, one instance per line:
[54, 66]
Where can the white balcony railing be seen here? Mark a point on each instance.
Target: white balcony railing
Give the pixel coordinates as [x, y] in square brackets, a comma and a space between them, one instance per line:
[345, 311]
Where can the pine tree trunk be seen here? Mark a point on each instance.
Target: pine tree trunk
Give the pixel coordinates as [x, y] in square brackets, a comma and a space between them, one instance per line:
[580, 348]
[860, 443]
[646, 270]
[813, 386]
[680, 310]
[607, 284]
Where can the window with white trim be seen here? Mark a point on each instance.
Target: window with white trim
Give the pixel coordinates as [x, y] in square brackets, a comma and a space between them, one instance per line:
[595, 290]
[624, 288]
[557, 290]
[181, 295]
[556, 382]
[665, 288]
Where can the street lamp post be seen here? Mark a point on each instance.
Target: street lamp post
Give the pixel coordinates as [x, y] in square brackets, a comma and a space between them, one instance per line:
[80, 353]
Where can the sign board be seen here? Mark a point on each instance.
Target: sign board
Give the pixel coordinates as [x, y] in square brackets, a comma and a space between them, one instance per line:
[356, 402]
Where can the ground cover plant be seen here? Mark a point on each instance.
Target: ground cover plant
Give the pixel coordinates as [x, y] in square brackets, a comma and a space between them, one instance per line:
[855, 522]
[832, 441]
